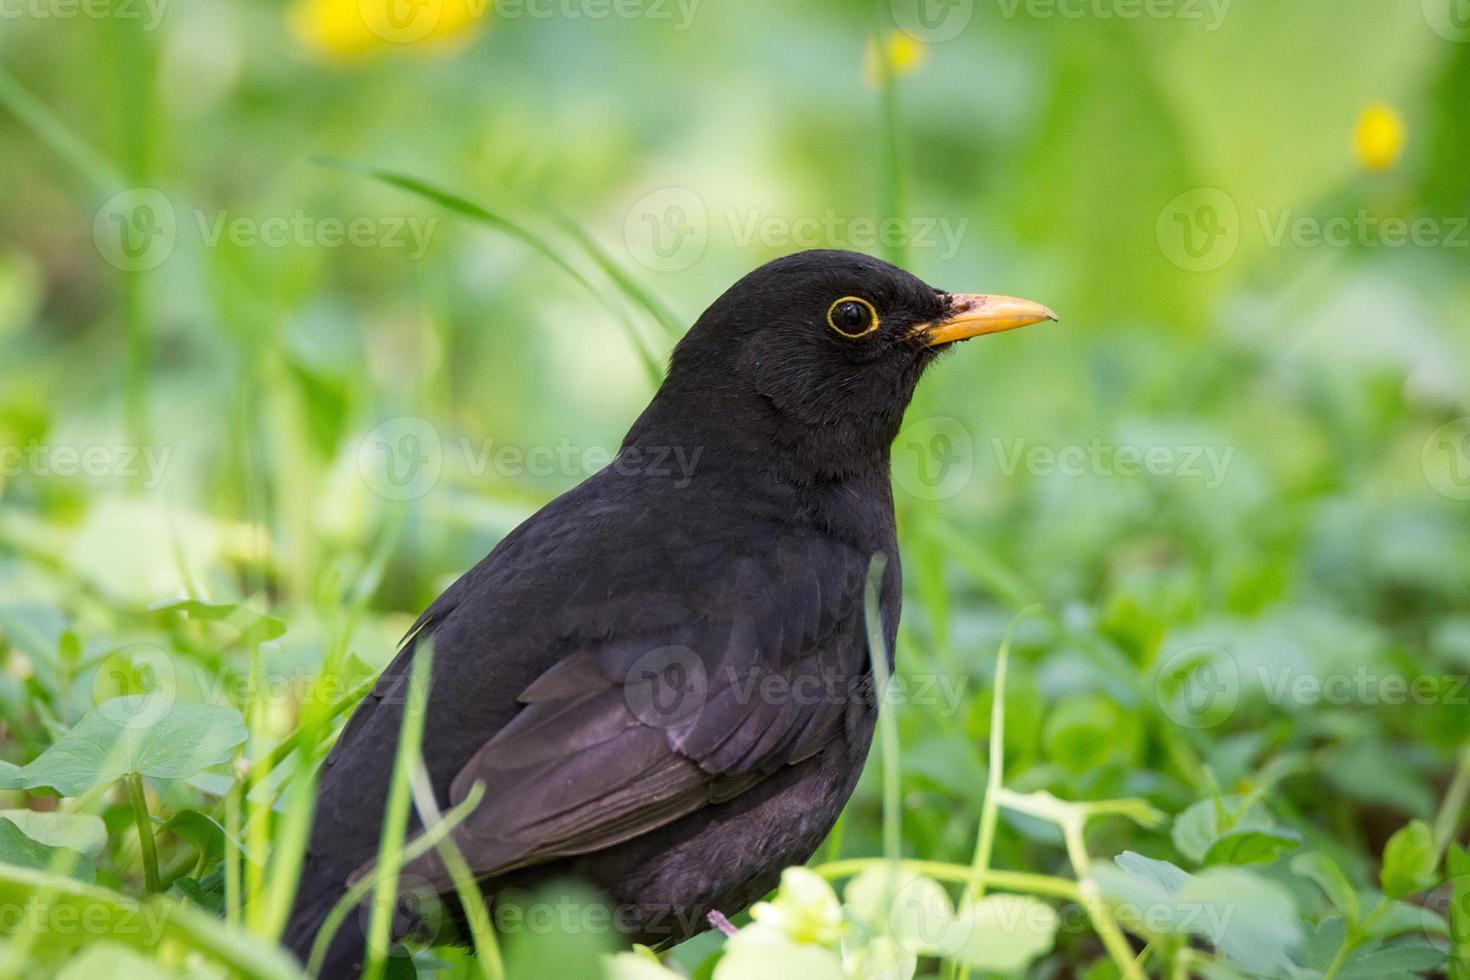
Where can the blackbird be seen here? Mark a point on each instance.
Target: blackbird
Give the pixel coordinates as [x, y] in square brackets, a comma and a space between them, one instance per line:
[662, 678]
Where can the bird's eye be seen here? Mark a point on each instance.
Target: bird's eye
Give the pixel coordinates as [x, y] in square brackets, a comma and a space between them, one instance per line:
[852, 317]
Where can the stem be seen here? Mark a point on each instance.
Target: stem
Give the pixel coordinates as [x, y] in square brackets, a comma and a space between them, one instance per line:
[357, 891]
[887, 731]
[145, 830]
[395, 815]
[990, 809]
[471, 899]
[1017, 881]
[1453, 808]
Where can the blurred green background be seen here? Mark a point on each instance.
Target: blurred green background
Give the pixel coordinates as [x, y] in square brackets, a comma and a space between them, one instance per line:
[1248, 435]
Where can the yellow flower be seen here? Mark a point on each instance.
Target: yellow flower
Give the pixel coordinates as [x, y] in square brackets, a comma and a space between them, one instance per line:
[897, 54]
[356, 28]
[1378, 138]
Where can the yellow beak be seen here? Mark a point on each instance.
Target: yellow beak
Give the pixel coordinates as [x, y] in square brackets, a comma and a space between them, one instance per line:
[976, 314]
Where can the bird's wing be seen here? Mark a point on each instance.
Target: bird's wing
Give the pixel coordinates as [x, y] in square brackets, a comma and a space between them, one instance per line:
[676, 708]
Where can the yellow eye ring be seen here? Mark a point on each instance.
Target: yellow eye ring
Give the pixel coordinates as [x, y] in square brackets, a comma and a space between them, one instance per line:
[846, 317]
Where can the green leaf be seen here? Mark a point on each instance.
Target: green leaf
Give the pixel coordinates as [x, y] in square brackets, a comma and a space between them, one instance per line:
[81, 832]
[1162, 873]
[1322, 870]
[143, 925]
[1402, 918]
[1409, 860]
[1250, 919]
[1230, 830]
[200, 830]
[1251, 846]
[254, 625]
[635, 966]
[107, 959]
[1002, 933]
[11, 777]
[1403, 961]
[21, 851]
[148, 734]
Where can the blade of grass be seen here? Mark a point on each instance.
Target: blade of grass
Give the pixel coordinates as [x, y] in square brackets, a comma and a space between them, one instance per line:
[146, 924]
[475, 212]
[471, 899]
[990, 810]
[395, 814]
[34, 115]
[359, 890]
[631, 288]
[887, 730]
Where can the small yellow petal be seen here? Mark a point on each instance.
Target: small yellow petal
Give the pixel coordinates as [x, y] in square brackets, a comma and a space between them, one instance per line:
[355, 28]
[895, 54]
[1378, 138]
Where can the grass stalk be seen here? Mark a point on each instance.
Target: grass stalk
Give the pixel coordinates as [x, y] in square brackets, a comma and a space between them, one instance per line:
[482, 931]
[395, 814]
[147, 846]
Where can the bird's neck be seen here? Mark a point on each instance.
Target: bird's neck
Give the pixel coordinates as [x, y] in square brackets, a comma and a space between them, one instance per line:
[734, 442]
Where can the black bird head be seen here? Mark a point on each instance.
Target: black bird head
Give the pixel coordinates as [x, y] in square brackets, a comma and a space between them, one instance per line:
[817, 353]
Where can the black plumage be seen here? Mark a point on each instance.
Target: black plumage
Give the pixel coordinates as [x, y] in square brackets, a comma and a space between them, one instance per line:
[662, 677]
